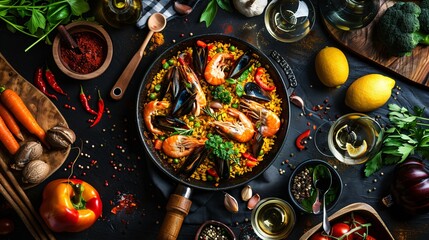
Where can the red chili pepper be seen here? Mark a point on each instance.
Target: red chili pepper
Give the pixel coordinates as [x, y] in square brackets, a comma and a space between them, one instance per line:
[201, 44]
[258, 80]
[84, 101]
[40, 83]
[100, 110]
[50, 78]
[299, 142]
[250, 163]
[212, 172]
[249, 157]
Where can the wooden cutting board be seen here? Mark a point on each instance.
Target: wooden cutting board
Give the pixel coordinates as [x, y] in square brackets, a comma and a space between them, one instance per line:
[414, 68]
[42, 108]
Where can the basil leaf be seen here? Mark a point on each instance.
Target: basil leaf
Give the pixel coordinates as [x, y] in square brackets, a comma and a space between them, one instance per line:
[209, 13]
[225, 5]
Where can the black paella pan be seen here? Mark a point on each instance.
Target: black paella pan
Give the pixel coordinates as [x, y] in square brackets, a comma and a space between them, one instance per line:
[179, 203]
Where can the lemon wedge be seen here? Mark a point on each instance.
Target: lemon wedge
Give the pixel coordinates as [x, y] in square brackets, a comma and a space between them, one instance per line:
[356, 152]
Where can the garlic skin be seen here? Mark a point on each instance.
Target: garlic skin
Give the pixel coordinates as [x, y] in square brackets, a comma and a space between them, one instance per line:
[250, 8]
[60, 137]
[35, 172]
[230, 203]
[27, 152]
[246, 193]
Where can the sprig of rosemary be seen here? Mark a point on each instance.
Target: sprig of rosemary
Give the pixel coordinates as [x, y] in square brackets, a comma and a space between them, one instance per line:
[408, 135]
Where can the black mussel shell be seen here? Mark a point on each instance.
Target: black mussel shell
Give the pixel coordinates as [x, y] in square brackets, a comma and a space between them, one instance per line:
[193, 161]
[256, 93]
[170, 82]
[222, 167]
[242, 63]
[183, 104]
[256, 143]
[169, 124]
[199, 58]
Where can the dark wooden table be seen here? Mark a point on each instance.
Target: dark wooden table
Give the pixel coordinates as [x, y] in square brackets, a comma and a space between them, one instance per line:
[113, 161]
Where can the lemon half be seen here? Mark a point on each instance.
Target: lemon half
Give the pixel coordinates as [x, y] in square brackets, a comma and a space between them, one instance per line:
[356, 152]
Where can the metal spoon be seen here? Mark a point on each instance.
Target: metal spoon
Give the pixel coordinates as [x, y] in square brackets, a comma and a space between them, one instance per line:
[322, 182]
[156, 23]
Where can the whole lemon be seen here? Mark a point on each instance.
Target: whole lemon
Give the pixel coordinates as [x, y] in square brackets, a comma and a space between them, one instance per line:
[332, 67]
[369, 92]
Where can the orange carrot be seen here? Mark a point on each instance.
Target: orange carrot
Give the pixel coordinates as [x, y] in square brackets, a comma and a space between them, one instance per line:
[13, 102]
[7, 138]
[10, 122]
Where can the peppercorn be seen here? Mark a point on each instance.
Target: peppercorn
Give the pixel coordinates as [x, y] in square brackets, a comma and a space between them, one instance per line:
[302, 185]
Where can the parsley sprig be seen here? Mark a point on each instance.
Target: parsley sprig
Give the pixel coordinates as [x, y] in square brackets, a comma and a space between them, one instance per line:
[220, 148]
[408, 135]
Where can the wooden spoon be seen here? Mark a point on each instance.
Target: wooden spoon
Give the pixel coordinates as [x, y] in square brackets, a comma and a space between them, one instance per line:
[156, 23]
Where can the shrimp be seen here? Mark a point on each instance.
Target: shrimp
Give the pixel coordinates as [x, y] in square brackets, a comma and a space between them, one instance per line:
[189, 75]
[151, 109]
[178, 146]
[240, 131]
[214, 72]
[268, 121]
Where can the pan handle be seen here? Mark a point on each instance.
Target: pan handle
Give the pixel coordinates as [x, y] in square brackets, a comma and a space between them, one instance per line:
[293, 83]
[177, 208]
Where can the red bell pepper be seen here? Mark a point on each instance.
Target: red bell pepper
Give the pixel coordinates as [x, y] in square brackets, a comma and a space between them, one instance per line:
[70, 205]
[258, 79]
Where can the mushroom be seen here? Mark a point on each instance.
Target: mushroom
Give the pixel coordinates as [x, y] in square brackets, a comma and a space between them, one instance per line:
[250, 8]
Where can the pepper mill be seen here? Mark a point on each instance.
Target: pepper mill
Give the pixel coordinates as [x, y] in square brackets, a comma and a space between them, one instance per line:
[118, 12]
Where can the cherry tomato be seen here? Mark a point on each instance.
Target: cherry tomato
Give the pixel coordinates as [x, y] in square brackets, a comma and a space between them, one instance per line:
[6, 226]
[356, 220]
[319, 236]
[369, 237]
[339, 229]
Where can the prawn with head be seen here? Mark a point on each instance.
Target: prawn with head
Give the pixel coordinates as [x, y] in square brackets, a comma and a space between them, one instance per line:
[150, 110]
[178, 146]
[241, 130]
[268, 121]
[215, 69]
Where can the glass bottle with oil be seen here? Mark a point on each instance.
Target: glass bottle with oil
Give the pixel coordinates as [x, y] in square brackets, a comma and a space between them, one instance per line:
[273, 218]
[118, 12]
[349, 14]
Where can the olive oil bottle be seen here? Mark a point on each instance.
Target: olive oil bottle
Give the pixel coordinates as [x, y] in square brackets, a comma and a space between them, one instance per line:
[117, 13]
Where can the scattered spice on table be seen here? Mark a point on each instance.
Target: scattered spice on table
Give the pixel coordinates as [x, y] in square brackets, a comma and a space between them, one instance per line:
[93, 53]
[84, 100]
[50, 78]
[41, 84]
[126, 203]
[100, 110]
[157, 40]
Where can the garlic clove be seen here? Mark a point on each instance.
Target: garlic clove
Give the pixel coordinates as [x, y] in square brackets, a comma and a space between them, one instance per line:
[246, 193]
[253, 201]
[230, 203]
[297, 101]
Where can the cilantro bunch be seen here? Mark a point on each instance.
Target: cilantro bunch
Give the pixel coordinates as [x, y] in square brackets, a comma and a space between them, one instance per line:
[408, 135]
[37, 18]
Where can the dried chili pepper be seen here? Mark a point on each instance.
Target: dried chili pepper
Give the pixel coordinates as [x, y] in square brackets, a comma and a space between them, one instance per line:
[249, 156]
[300, 140]
[258, 80]
[40, 83]
[50, 78]
[100, 110]
[84, 101]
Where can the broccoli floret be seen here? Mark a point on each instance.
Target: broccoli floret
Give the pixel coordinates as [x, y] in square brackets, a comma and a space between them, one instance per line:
[401, 28]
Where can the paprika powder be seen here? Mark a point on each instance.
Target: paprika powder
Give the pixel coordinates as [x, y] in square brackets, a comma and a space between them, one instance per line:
[70, 205]
[93, 53]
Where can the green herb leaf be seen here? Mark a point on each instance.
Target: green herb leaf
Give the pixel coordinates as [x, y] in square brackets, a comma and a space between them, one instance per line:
[373, 165]
[225, 5]
[209, 13]
[239, 90]
[36, 21]
[78, 7]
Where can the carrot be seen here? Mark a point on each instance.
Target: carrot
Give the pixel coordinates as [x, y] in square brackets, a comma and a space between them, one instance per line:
[11, 123]
[13, 102]
[7, 138]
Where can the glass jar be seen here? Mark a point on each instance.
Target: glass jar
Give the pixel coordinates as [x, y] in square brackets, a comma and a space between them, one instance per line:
[349, 14]
[118, 12]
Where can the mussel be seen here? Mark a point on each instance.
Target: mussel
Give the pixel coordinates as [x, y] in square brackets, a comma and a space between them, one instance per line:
[199, 59]
[183, 104]
[242, 63]
[256, 93]
[193, 161]
[170, 82]
[256, 143]
[169, 124]
[222, 167]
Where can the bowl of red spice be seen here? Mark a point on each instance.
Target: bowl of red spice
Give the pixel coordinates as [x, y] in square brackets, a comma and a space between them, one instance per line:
[89, 56]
